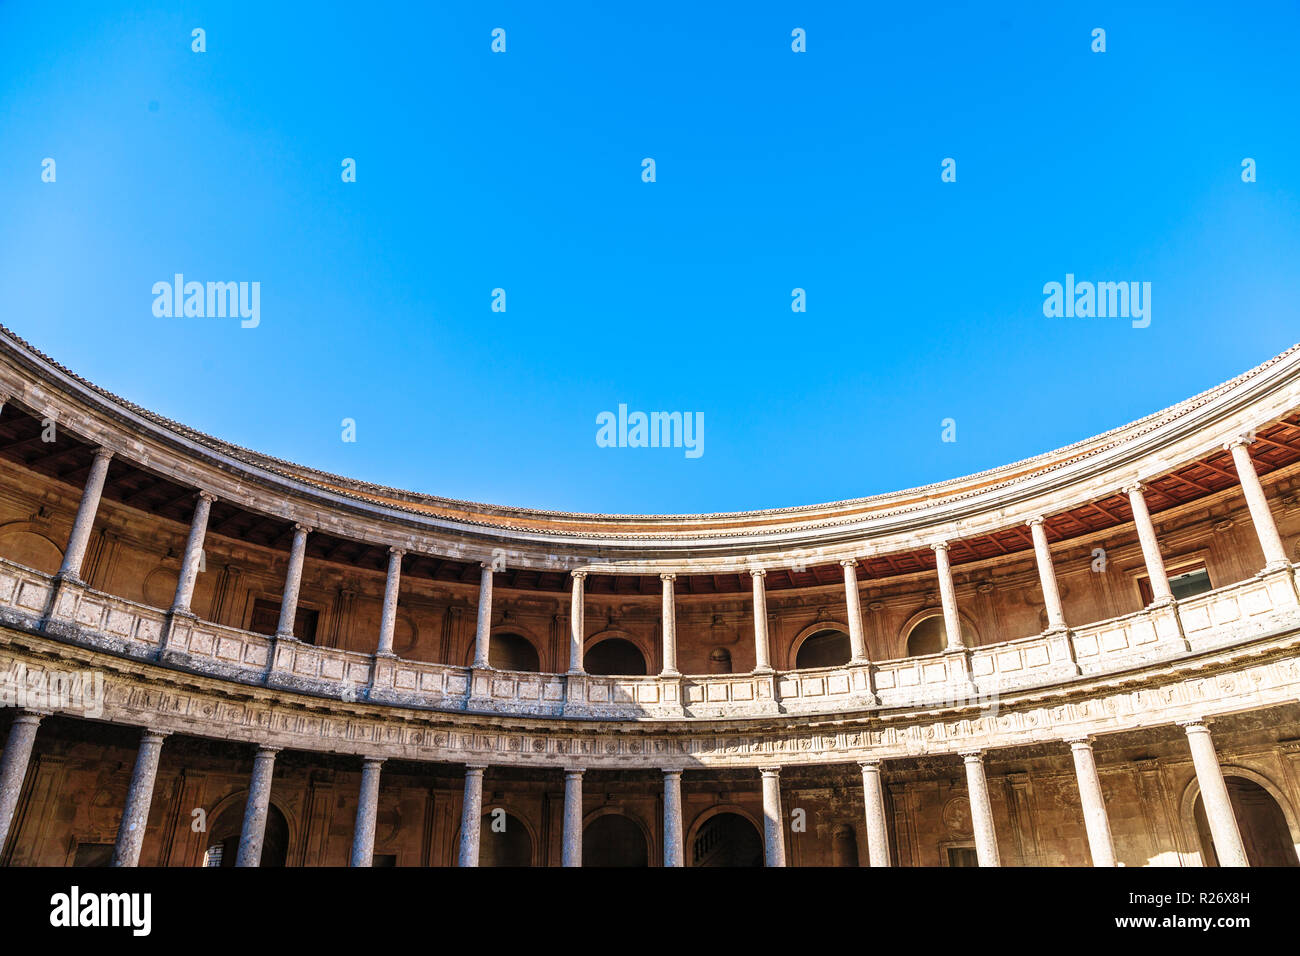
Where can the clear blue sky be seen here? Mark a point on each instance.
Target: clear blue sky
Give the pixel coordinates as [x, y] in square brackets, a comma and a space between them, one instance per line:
[775, 170]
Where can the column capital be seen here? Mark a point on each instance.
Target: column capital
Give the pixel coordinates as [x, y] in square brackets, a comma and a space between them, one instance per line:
[147, 732]
[208, 496]
[301, 528]
[372, 761]
[104, 453]
[1242, 440]
[871, 764]
[574, 771]
[939, 546]
[770, 771]
[972, 756]
[578, 575]
[758, 572]
[475, 768]
[1199, 725]
[1035, 521]
[671, 771]
[30, 716]
[668, 576]
[849, 563]
[1084, 741]
[400, 552]
[264, 751]
[1133, 487]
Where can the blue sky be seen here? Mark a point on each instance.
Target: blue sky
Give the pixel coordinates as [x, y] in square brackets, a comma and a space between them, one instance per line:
[775, 170]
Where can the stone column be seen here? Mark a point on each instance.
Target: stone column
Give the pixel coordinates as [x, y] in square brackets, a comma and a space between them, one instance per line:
[363, 835]
[948, 597]
[1047, 576]
[981, 811]
[193, 554]
[1260, 515]
[292, 584]
[577, 621]
[1095, 819]
[483, 632]
[873, 795]
[572, 855]
[857, 640]
[1214, 795]
[13, 766]
[259, 799]
[1160, 593]
[85, 520]
[139, 795]
[388, 619]
[773, 823]
[471, 815]
[670, 627]
[762, 657]
[674, 849]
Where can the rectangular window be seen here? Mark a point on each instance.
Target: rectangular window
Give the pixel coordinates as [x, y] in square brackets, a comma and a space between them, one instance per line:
[1185, 581]
[93, 854]
[266, 618]
[963, 856]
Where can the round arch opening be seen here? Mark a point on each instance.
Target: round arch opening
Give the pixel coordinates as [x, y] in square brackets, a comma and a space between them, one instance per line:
[513, 652]
[1260, 820]
[615, 656]
[504, 840]
[727, 839]
[614, 840]
[829, 647]
[930, 636]
[225, 831]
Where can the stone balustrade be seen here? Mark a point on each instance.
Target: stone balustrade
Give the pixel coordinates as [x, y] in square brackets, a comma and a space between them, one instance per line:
[65, 610]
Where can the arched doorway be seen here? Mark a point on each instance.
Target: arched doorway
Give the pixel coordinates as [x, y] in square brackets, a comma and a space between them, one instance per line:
[615, 656]
[929, 635]
[224, 832]
[508, 651]
[614, 840]
[1260, 819]
[727, 839]
[504, 840]
[828, 647]
[844, 846]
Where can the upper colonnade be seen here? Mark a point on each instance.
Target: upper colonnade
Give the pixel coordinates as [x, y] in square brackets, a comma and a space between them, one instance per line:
[988, 511]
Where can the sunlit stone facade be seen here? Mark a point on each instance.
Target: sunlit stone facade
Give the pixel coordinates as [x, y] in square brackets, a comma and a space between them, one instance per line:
[1086, 658]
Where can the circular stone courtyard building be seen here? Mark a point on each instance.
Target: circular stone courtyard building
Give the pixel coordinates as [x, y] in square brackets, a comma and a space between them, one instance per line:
[209, 656]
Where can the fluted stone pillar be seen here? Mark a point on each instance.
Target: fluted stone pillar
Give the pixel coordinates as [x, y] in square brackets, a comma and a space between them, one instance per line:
[1047, 575]
[670, 626]
[773, 824]
[577, 621]
[948, 597]
[981, 811]
[873, 796]
[471, 815]
[1260, 515]
[483, 630]
[762, 655]
[1095, 819]
[857, 638]
[572, 852]
[363, 835]
[139, 795]
[85, 519]
[193, 553]
[13, 766]
[388, 618]
[674, 847]
[1160, 593]
[292, 584]
[1214, 795]
[259, 801]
